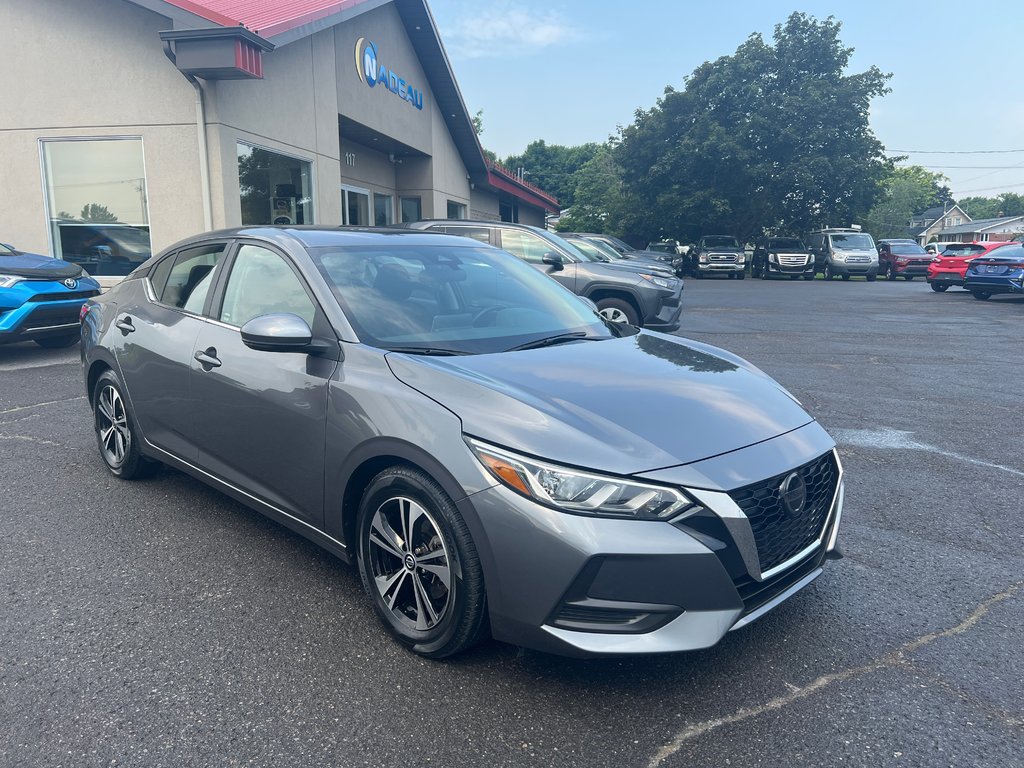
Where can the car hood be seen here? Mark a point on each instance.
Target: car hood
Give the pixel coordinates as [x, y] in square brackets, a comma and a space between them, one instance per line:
[638, 267]
[37, 266]
[624, 405]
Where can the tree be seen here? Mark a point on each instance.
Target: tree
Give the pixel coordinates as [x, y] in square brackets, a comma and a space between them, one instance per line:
[598, 197]
[553, 167]
[98, 213]
[772, 138]
[1005, 204]
[906, 191]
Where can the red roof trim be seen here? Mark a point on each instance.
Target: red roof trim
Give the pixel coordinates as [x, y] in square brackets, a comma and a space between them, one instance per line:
[206, 13]
[266, 17]
[500, 177]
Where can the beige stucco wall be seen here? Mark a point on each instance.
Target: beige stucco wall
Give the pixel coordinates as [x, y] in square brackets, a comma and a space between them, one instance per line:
[65, 74]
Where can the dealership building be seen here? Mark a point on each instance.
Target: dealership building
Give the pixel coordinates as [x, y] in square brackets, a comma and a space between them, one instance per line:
[130, 124]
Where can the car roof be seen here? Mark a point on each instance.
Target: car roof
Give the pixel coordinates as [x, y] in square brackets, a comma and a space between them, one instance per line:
[315, 236]
[473, 222]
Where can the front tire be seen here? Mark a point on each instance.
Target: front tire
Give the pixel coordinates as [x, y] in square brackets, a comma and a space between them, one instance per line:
[809, 277]
[891, 273]
[116, 435]
[618, 311]
[871, 278]
[419, 565]
[59, 342]
[908, 278]
[846, 277]
[828, 272]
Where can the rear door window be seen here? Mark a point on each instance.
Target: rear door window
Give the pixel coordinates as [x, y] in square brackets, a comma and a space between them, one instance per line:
[526, 245]
[189, 278]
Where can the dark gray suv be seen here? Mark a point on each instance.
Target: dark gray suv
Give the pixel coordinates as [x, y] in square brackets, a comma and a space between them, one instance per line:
[491, 454]
[624, 292]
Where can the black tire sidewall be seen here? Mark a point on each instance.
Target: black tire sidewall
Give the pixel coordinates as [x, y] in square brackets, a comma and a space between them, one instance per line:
[133, 464]
[623, 306]
[407, 481]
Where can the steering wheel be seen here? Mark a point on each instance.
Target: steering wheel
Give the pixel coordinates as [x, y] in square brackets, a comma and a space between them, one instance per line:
[477, 321]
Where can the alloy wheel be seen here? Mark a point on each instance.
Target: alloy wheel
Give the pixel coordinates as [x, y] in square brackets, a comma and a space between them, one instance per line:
[112, 425]
[410, 564]
[614, 315]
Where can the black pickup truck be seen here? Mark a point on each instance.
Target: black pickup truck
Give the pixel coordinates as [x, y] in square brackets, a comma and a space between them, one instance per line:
[717, 255]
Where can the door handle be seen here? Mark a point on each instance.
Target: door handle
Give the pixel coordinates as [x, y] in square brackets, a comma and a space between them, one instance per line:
[125, 325]
[208, 358]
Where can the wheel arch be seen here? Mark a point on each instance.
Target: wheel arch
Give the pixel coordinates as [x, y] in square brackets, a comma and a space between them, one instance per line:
[102, 362]
[596, 293]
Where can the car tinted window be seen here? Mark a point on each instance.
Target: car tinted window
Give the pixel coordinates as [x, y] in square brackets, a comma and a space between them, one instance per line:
[190, 276]
[721, 241]
[477, 233]
[907, 248]
[785, 244]
[963, 250]
[526, 245]
[158, 276]
[262, 283]
[858, 241]
[469, 299]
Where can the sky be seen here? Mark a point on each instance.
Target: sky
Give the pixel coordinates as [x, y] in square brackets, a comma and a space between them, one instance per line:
[572, 71]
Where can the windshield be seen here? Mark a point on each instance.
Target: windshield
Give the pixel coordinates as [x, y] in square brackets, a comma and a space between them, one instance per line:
[963, 250]
[662, 247]
[855, 242]
[563, 243]
[721, 241]
[450, 299]
[6, 250]
[785, 244]
[907, 248]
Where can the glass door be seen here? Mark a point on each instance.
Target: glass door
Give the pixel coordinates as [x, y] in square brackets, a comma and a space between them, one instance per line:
[355, 206]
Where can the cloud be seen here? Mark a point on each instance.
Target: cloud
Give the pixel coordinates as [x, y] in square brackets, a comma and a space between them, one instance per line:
[507, 29]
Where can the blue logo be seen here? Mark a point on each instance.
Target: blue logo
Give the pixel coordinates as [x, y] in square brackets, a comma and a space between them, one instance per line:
[372, 72]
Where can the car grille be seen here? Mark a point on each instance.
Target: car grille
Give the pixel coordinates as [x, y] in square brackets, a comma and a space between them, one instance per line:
[858, 259]
[779, 534]
[44, 317]
[792, 261]
[65, 296]
[723, 258]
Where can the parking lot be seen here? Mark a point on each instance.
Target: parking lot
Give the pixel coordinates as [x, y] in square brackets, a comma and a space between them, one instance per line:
[159, 623]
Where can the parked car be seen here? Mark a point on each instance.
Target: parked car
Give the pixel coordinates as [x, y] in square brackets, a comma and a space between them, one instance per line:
[843, 252]
[598, 250]
[489, 452]
[950, 267]
[902, 258]
[625, 251]
[623, 292]
[40, 298]
[782, 256]
[938, 247]
[717, 255]
[998, 271]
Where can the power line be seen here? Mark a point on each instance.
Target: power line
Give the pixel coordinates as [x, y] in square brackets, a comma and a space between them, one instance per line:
[988, 189]
[954, 152]
[978, 167]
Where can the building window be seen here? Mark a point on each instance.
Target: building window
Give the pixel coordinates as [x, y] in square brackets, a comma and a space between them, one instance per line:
[412, 209]
[383, 210]
[456, 210]
[274, 188]
[97, 203]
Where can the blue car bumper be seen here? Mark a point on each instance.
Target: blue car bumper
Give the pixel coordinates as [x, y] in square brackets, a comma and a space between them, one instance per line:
[996, 283]
[35, 309]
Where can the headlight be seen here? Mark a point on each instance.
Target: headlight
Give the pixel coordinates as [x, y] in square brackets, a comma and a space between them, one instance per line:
[668, 283]
[6, 281]
[703, 258]
[583, 493]
[773, 258]
[839, 257]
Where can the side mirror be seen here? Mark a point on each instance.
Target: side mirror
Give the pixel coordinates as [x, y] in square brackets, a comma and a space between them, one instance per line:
[277, 333]
[553, 259]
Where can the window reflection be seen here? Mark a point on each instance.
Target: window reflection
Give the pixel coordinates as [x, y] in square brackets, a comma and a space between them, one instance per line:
[274, 188]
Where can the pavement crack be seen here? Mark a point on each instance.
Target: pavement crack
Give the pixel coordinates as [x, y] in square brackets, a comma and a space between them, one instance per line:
[894, 659]
[40, 405]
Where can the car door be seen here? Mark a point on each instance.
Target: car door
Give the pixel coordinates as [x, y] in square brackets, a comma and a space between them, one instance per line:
[153, 340]
[261, 416]
[531, 249]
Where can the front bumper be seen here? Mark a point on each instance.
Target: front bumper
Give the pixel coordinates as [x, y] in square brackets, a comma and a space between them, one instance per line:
[790, 269]
[854, 268]
[665, 314]
[912, 269]
[724, 268]
[582, 586]
[37, 320]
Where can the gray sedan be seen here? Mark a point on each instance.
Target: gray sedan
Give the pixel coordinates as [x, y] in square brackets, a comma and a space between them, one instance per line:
[493, 455]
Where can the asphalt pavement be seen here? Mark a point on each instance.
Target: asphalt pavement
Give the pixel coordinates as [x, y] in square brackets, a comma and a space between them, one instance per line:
[159, 623]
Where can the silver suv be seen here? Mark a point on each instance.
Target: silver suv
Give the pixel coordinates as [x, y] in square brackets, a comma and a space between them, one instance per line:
[626, 291]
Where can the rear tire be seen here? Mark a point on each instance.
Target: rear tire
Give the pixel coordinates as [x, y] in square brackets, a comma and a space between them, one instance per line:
[846, 277]
[981, 295]
[908, 278]
[116, 434]
[871, 278]
[59, 342]
[939, 287]
[618, 311]
[419, 565]
[809, 277]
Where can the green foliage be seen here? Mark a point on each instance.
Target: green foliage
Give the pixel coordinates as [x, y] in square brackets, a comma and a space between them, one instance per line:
[599, 200]
[906, 191]
[553, 167]
[98, 213]
[1006, 204]
[772, 138]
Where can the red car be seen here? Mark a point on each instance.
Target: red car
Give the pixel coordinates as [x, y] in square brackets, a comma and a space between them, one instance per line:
[902, 258]
[950, 266]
